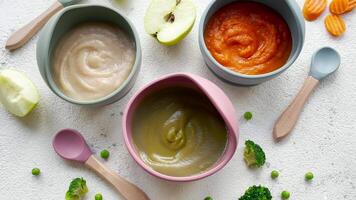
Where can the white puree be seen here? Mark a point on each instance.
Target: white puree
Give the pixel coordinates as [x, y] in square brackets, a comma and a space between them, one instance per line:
[92, 60]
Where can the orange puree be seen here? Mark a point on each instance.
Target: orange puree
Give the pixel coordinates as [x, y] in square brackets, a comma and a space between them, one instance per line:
[249, 38]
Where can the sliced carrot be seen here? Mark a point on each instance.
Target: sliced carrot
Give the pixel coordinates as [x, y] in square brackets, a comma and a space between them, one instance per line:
[339, 7]
[335, 25]
[313, 9]
[351, 6]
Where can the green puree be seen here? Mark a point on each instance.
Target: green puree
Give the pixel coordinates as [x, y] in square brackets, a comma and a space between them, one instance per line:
[178, 132]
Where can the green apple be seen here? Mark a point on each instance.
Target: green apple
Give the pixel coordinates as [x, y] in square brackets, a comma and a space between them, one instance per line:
[17, 92]
[170, 20]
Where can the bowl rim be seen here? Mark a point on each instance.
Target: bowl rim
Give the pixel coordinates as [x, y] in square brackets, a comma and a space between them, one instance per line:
[231, 145]
[136, 66]
[291, 60]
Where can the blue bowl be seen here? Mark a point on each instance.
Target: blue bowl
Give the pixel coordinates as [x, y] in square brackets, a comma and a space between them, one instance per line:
[291, 13]
[64, 21]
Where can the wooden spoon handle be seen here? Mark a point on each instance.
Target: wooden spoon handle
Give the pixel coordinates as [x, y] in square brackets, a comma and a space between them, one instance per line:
[21, 36]
[289, 117]
[128, 190]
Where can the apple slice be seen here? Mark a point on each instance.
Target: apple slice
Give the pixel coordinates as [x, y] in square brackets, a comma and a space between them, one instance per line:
[170, 20]
[17, 92]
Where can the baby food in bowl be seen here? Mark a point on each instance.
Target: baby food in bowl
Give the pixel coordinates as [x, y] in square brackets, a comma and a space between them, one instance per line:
[92, 60]
[180, 127]
[249, 38]
[178, 132]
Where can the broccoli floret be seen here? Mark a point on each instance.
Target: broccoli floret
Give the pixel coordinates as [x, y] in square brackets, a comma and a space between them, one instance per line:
[77, 189]
[257, 193]
[253, 154]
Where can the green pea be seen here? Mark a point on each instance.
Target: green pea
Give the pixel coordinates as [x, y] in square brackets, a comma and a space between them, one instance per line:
[285, 195]
[274, 174]
[248, 116]
[36, 171]
[98, 197]
[208, 198]
[105, 154]
[309, 176]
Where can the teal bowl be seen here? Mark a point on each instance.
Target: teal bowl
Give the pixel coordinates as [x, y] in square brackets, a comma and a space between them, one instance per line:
[291, 13]
[65, 20]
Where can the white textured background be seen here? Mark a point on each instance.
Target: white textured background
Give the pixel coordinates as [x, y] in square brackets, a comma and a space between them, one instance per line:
[323, 141]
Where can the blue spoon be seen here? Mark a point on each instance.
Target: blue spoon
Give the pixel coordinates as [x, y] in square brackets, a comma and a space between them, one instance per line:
[21, 36]
[325, 61]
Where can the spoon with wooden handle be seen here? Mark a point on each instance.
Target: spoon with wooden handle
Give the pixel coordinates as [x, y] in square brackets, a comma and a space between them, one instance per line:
[324, 62]
[23, 35]
[70, 145]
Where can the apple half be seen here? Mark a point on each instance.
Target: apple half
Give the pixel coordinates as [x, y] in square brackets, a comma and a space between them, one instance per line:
[17, 92]
[170, 20]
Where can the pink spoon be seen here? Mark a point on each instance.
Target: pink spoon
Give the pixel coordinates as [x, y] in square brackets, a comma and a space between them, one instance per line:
[70, 145]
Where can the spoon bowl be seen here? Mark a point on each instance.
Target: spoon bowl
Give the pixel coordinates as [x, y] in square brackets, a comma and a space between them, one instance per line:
[70, 145]
[325, 61]
[68, 2]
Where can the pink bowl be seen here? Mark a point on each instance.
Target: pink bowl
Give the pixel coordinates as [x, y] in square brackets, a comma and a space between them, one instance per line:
[218, 99]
